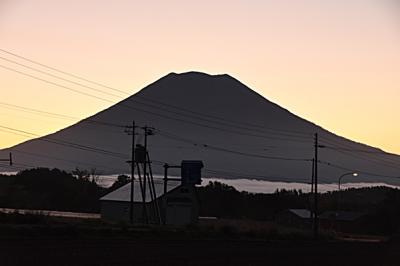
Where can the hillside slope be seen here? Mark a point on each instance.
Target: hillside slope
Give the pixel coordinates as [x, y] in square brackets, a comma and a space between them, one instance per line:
[217, 119]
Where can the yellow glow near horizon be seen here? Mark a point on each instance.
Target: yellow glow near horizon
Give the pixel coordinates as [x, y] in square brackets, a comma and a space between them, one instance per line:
[335, 63]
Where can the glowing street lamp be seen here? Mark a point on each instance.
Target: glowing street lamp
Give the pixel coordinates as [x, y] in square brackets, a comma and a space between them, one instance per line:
[346, 174]
[339, 195]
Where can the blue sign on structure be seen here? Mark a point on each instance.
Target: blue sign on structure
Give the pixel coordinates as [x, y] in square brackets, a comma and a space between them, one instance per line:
[191, 172]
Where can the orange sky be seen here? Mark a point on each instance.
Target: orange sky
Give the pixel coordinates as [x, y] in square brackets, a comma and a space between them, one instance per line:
[336, 63]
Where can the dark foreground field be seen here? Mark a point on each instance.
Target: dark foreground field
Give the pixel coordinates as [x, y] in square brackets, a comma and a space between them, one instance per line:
[32, 239]
[114, 251]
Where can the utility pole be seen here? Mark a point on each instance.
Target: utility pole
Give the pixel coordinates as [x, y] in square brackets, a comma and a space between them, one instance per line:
[316, 146]
[131, 131]
[147, 132]
[312, 176]
[144, 176]
[166, 179]
[312, 193]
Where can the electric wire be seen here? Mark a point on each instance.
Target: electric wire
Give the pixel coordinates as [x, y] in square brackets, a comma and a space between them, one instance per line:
[152, 112]
[199, 115]
[56, 115]
[355, 170]
[363, 156]
[99, 84]
[72, 162]
[67, 143]
[216, 148]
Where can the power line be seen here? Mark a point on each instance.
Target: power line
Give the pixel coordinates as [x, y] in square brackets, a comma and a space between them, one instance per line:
[358, 150]
[59, 71]
[360, 172]
[219, 171]
[56, 115]
[151, 112]
[158, 102]
[139, 96]
[224, 173]
[68, 144]
[30, 110]
[72, 162]
[224, 150]
[99, 84]
[347, 147]
[212, 147]
[60, 78]
[221, 120]
[208, 170]
[55, 84]
[376, 161]
[363, 156]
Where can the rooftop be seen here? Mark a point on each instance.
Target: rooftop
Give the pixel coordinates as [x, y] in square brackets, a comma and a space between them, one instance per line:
[302, 213]
[123, 193]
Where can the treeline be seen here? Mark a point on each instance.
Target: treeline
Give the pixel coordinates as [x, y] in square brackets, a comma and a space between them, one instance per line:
[54, 189]
[381, 205]
[223, 201]
[78, 191]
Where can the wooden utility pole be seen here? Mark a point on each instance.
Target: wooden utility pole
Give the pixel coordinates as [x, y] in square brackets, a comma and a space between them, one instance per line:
[166, 179]
[132, 172]
[145, 174]
[312, 194]
[312, 176]
[148, 131]
[315, 222]
[131, 131]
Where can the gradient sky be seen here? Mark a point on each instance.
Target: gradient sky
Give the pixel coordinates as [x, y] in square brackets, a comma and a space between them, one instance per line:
[333, 62]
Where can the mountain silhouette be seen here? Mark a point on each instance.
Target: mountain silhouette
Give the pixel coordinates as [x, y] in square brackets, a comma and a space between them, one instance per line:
[215, 118]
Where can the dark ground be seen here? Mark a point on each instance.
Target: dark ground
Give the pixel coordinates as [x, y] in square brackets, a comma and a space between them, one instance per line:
[124, 251]
[43, 240]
